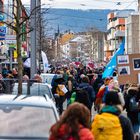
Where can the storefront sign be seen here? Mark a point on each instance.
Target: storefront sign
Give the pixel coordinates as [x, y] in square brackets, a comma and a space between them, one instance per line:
[2, 30]
[2, 17]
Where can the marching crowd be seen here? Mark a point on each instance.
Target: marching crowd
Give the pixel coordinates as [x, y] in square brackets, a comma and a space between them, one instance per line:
[117, 106]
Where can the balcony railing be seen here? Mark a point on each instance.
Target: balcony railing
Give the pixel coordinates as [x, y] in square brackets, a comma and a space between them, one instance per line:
[119, 33]
[110, 25]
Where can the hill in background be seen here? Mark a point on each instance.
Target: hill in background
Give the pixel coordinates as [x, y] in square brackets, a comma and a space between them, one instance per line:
[76, 20]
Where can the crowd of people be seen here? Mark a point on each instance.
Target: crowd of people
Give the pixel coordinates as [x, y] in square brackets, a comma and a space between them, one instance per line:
[117, 106]
[87, 91]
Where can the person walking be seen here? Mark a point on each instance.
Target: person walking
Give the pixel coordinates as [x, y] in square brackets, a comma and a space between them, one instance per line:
[73, 125]
[70, 88]
[109, 124]
[87, 88]
[132, 109]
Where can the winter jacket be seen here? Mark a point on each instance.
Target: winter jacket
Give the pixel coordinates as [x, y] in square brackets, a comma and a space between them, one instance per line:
[127, 130]
[90, 91]
[133, 115]
[84, 134]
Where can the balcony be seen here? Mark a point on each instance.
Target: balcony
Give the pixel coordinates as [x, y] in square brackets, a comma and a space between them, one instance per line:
[111, 48]
[120, 21]
[118, 45]
[119, 33]
[111, 36]
[110, 25]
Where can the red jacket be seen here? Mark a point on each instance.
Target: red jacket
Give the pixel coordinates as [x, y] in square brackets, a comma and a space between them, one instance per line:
[84, 134]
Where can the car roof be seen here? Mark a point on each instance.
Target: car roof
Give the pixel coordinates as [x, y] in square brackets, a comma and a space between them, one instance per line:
[24, 100]
[35, 83]
[47, 74]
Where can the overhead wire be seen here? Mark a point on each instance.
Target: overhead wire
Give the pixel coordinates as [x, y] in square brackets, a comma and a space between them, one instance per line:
[113, 1]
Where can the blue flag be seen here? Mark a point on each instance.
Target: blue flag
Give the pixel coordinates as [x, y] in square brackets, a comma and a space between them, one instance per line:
[113, 62]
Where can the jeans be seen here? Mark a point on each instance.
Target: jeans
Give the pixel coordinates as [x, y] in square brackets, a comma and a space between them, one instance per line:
[139, 120]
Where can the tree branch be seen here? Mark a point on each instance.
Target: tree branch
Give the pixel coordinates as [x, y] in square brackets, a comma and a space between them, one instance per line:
[10, 25]
[24, 33]
[28, 17]
[6, 14]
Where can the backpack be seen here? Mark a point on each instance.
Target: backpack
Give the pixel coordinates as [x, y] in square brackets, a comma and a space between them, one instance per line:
[82, 96]
[61, 90]
[106, 126]
[133, 105]
[73, 97]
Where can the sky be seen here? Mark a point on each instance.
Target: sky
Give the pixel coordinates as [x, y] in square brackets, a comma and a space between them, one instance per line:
[89, 4]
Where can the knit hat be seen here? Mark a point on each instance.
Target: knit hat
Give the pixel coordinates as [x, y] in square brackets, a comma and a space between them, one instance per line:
[112, 98]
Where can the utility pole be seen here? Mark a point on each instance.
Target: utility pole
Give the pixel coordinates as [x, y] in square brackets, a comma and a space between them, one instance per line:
[38, 33]
[34, 33]
[138, 5]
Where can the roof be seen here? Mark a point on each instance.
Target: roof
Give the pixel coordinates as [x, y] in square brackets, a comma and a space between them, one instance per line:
[23, 100]
[78, 39]
[66, 38]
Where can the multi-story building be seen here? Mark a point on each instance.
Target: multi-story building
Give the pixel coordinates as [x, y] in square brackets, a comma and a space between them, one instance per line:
[62, 45]
[133, 34]
[116, 30]
[11, 34]
[98, 39]
[2, 32]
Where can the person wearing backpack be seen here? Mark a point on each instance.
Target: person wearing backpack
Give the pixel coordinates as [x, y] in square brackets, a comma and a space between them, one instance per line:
[74, 124]
[109, 124]
[59, 91]
[132, 108]
[84, 85]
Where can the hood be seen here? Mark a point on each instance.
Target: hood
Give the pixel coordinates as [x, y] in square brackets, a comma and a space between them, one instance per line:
[83, 85]
[116, 110]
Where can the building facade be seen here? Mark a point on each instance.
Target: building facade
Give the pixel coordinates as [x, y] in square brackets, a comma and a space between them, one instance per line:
[116, 30]
[132, 34]
[11, 34]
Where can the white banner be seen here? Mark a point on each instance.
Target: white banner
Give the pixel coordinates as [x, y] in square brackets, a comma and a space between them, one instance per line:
[27, 63]
[45, 61]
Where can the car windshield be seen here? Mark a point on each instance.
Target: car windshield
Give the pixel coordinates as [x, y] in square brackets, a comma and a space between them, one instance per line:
[47, 78]
[35, 89]
[25, 121]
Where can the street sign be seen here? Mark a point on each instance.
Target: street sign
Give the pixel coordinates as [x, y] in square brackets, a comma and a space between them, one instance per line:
[10, 37]
[11, 41]
[2, 30]
[1, 17]
[12, 46]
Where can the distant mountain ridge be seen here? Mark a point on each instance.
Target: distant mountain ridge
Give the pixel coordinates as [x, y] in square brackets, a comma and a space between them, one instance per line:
[77, 20]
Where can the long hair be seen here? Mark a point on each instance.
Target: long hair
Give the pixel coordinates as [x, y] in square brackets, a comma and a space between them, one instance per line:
[77, 114]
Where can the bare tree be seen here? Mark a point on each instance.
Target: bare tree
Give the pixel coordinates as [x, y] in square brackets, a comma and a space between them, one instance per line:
[16, 23]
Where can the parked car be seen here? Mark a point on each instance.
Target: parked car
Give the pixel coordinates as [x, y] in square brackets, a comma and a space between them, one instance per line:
[49, 78]
[26, 117]
[33, 89]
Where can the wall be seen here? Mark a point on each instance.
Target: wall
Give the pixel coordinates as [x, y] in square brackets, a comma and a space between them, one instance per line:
[132, 34]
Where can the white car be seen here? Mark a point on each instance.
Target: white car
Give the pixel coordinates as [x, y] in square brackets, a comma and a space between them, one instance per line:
[34, 89]
[49, 78]
[26, 117]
